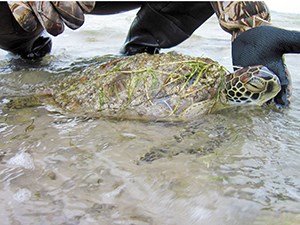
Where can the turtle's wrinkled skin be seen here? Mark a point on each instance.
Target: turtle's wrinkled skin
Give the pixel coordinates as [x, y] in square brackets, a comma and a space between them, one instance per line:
[160, 86]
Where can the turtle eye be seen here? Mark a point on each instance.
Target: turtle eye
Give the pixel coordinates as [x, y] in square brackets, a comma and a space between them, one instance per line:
[255, 85]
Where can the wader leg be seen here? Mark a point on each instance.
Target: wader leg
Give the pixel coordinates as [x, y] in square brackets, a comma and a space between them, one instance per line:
[164, 25]
[108, 8]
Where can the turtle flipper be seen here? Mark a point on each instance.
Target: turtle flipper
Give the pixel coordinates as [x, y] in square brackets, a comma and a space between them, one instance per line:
[23, 102]
[203, 107]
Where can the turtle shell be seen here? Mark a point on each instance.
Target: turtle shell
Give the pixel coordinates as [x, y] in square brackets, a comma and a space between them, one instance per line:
[155, 86]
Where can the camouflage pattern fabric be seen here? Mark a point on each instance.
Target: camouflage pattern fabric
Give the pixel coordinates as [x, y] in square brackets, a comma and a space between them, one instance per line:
[236, 17]
[23, 15]
[52, 15]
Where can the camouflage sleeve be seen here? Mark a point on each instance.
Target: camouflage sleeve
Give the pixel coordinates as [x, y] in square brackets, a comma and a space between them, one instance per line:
[238, 16]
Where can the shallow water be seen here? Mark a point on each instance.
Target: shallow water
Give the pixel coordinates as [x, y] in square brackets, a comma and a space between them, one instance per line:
[240, 166]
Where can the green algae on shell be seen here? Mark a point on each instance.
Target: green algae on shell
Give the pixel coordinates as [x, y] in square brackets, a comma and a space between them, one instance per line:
[151, 86]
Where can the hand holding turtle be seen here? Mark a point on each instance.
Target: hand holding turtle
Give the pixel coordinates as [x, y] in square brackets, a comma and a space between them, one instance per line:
[265, 45]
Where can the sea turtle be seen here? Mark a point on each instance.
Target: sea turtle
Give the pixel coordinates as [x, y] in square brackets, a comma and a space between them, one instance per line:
[157, 86]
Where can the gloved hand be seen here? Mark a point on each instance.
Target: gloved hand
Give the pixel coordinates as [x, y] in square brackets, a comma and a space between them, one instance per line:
[52, 15]
[15, 39]
[22, 24]
[265, 45]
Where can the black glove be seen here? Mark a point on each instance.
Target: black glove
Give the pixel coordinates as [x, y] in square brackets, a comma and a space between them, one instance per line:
[265, 45]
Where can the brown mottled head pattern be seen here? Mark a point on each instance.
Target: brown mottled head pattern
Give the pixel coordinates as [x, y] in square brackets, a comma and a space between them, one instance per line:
[253, 85]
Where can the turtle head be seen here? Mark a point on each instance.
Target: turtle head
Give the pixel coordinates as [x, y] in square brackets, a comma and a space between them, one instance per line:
[253, 85]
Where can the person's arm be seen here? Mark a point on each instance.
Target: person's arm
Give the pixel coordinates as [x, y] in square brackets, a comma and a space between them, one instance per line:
[238, 16]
